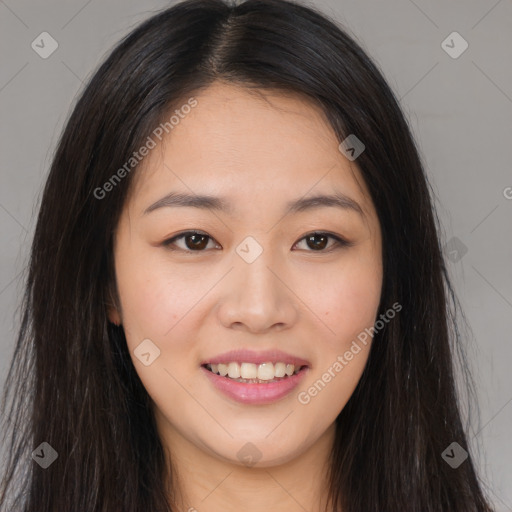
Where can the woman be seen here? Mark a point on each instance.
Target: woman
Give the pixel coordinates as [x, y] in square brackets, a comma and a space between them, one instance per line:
[236, 295]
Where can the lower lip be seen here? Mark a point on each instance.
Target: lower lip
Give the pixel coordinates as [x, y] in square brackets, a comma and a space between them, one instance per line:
[254, 393]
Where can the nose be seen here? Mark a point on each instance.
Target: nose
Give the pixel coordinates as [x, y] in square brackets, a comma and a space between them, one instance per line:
[257, 297]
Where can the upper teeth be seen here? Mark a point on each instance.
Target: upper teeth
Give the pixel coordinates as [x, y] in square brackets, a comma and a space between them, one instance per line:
[264, 371]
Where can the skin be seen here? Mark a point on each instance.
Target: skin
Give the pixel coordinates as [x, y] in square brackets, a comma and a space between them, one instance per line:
[259, 152]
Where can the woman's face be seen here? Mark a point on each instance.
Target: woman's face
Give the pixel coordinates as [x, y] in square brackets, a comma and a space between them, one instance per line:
[256, 284]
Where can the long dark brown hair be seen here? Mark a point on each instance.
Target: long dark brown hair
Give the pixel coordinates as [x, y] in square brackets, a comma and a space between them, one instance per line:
[72, 383]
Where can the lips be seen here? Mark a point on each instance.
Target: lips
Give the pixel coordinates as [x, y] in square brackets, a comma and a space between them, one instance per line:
[256, 391]
[266, 356]
[252, 393]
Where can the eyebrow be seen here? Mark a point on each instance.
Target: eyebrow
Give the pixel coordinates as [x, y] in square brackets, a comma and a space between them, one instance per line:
[207, 202]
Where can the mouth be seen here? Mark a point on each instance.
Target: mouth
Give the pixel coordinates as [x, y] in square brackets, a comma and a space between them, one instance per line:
[252, 373]
[252, 378]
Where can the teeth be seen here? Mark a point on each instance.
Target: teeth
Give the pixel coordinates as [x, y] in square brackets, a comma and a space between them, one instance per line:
[234, 370]
[249, 371]
[266, 371]
[280, 369]
[222, 369]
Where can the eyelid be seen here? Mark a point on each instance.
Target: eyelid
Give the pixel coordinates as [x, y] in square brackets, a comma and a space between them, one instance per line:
[340, 242]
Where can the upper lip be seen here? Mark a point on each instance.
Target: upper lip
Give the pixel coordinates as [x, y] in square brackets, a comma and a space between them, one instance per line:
[248, 356]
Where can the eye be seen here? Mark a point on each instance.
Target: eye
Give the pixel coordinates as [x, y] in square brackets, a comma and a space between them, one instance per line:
[319, 240]
[197, 241]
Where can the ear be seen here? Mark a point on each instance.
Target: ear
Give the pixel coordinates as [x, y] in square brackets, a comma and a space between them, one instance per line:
[113, 315]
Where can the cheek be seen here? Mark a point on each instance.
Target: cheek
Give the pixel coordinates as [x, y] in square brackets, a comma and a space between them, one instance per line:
[345, 299]
[358, 301]
[351, 301]
[155, 306]
[155, 298]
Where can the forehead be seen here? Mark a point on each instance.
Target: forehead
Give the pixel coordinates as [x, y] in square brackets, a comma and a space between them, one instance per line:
[241, 143]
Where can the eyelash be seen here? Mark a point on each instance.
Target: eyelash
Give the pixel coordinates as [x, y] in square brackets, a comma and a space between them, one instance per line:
[339, 242]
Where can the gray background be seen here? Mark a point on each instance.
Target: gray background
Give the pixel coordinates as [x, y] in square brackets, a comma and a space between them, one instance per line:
[460, 110]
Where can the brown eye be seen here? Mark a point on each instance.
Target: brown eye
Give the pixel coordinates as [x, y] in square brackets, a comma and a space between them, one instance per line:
[194, 241]
[317, 242]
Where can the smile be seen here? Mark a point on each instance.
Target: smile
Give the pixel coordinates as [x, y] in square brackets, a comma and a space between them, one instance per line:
[254, 373]
[251, 383]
